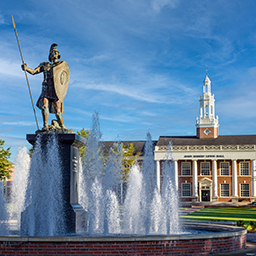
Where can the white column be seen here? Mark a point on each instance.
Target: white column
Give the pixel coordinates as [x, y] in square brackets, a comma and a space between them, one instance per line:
[158, 175]
[234, 178]
[214, 178]
[176, 177]
[195, 178]
[253, 164]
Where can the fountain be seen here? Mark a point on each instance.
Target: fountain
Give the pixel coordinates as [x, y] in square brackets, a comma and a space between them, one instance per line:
[67, 206]
[3, 212]
[54, 174]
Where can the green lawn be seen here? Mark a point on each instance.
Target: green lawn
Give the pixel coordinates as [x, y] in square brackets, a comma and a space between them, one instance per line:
[224, 214]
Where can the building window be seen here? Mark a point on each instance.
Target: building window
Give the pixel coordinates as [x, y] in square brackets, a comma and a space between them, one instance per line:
[245, 190]
[244, 168]
[224, 190]
[205, 169]
[224, 168]
[186, 189]
[185, 169]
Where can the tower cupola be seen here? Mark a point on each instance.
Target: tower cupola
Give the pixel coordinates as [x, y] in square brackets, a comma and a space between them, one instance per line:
[207, 125]
[207, 85]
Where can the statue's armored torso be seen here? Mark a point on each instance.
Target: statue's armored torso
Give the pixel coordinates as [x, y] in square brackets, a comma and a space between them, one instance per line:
[48, 90]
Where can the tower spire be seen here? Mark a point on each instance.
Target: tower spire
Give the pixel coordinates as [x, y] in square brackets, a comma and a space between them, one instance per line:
[207, 125]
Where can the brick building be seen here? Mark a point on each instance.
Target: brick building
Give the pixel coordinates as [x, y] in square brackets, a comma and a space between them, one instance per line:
[6, 184]
[209, 167]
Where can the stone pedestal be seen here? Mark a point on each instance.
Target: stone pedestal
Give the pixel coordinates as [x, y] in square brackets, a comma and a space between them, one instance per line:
[215, 199]
[194, 199]
[234, 199]
[69, 144]
[253, 199]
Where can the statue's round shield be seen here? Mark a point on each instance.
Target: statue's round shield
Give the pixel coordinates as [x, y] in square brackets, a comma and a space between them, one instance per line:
[61, 75]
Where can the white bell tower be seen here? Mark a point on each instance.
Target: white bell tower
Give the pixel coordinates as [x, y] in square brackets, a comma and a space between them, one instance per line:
[207, 125]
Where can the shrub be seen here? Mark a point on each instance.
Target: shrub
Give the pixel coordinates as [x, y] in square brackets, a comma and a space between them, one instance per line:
[240, 223]
[253, 225]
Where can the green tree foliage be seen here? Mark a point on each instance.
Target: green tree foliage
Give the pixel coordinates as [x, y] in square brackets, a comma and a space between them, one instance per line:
[120, 156]
[128, 158]
[84, 151]
[84, 133]
[122, 152]
[5, 164]
[125, 159]
[30, 152]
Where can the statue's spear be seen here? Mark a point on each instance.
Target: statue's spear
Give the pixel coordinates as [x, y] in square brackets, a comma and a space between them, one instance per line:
[14, 26]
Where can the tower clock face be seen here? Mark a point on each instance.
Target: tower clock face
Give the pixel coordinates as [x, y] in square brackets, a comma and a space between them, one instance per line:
[206, 131]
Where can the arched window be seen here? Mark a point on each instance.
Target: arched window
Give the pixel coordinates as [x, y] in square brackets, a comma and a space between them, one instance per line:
[207, 110]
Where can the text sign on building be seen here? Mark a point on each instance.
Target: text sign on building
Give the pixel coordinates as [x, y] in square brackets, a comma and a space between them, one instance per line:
[203, 156]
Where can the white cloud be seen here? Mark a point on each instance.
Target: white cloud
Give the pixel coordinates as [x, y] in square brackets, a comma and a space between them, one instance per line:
[130, 92]
[122, 118]
[252, 73]
[20, 123]
[10, 68]
[158, 5]
[97, 58]
[12, 141]
[76, 110]
[2, 20]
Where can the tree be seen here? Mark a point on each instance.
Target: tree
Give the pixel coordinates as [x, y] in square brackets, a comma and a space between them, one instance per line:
[5, 164]
[128, 160]
[84, 149]
[30, 152]
[125, 152]
[84, 133]
[127, 156]
[122, 153]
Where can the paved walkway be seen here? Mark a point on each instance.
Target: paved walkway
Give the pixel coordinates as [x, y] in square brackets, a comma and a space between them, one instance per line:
[191, 209]
[251, 237]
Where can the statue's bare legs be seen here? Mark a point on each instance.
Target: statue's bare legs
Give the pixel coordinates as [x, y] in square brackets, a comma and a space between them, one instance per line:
[58, 113]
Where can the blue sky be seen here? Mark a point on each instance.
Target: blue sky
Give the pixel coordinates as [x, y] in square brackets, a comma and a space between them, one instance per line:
[139, 63]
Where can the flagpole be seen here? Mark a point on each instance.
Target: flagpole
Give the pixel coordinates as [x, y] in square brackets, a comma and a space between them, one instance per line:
[14, 26]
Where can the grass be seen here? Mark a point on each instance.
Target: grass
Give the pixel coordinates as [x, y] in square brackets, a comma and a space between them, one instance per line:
[224, 214]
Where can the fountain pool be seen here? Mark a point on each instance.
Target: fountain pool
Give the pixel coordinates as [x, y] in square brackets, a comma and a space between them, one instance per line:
[147, 222]
[227, 239]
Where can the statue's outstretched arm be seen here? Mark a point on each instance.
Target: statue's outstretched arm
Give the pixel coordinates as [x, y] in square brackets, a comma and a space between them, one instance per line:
[31, 70]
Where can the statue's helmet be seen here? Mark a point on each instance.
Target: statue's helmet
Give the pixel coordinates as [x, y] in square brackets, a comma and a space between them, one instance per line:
[53, 48]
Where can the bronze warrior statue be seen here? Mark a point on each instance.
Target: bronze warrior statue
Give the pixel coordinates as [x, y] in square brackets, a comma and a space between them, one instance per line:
[54, 86]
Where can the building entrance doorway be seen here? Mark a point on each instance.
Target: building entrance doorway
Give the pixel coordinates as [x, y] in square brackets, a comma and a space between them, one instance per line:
[205, 190]
[205, 195]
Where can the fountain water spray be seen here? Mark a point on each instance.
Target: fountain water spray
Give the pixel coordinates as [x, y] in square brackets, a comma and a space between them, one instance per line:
[3, 212]
[19, 185]
[43, 200]
[145, 210]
